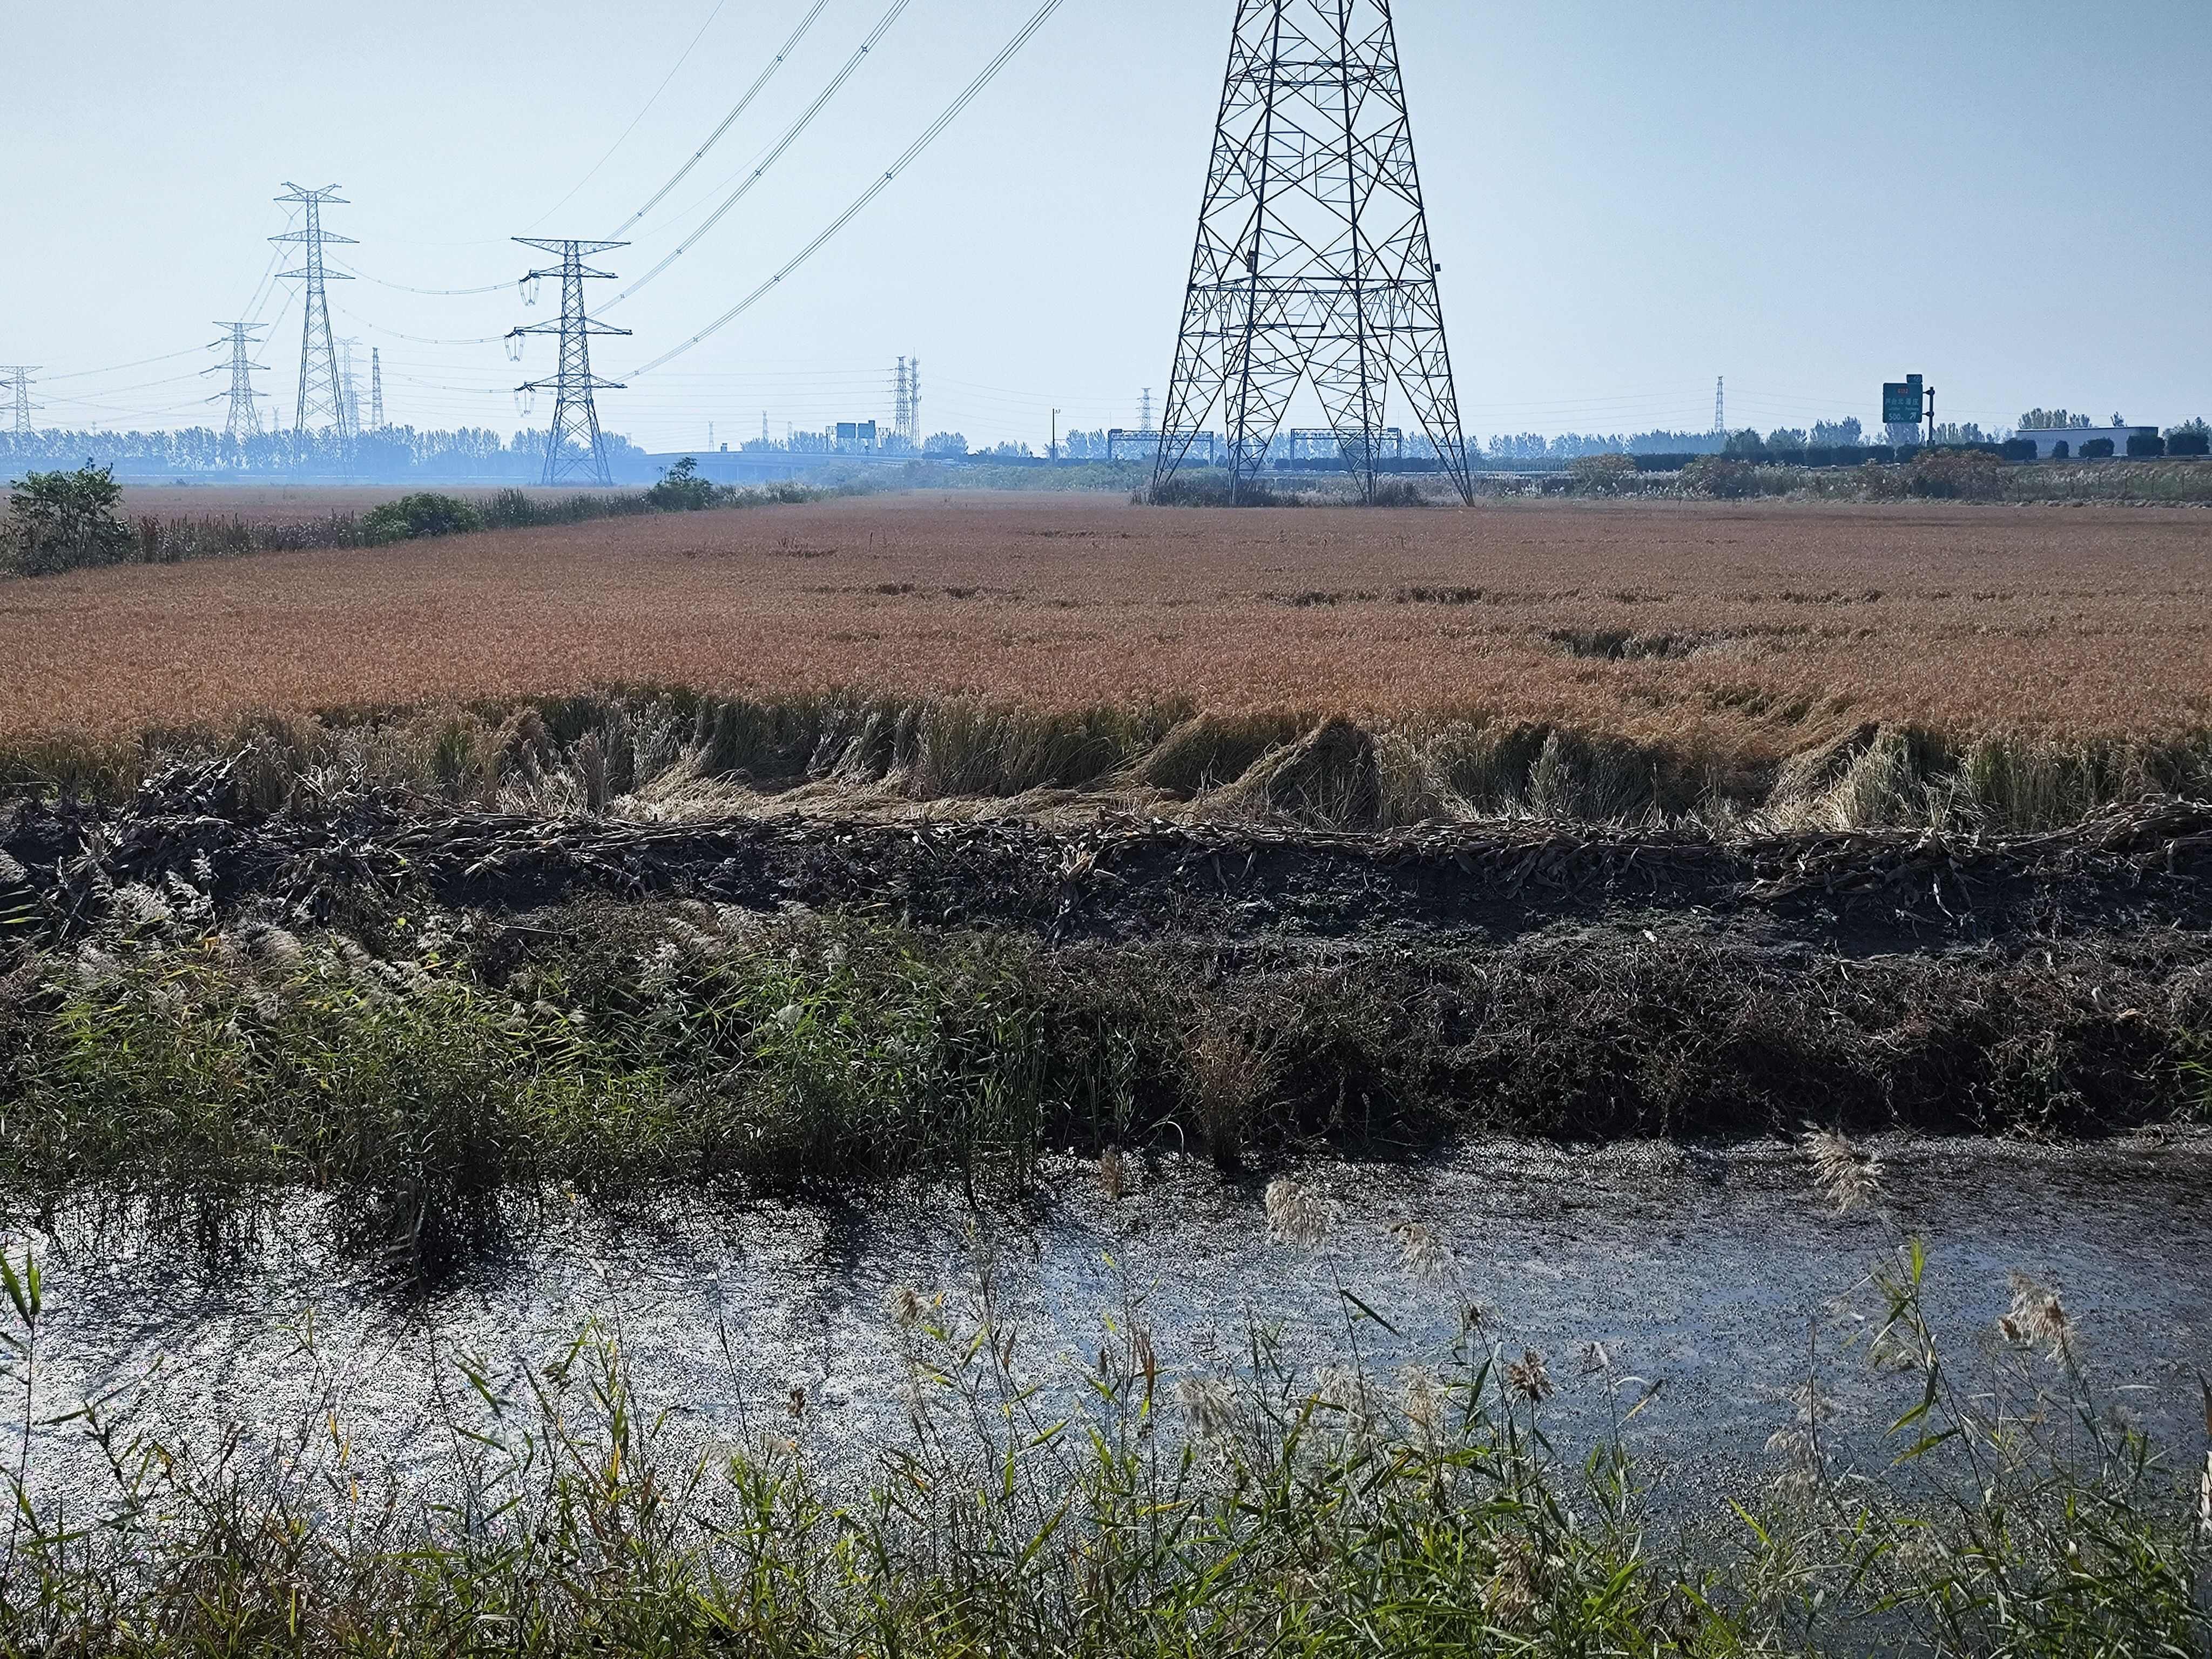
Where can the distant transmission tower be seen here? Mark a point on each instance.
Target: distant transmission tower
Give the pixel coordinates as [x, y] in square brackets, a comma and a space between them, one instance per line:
[17, 378]
[245, 420]
[1720, 407]
[351, 385]
[1145, 411]
[902, 406]
[376, 388]
[322, 394]
[1313, 253]
[914, 404]
[572, 445]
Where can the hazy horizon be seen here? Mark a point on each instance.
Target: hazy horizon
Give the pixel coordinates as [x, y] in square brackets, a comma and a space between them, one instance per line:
[2006, 197]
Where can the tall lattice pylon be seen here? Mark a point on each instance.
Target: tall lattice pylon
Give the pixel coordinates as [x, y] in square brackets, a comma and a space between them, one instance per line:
[17, 379]
[245, 421]
[376, 388]
[1312, 254]
[322, 404]
[574, 446]
[902, 407]
[350, 385]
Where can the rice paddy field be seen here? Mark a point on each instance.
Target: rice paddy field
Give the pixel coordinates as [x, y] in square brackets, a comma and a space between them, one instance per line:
[1753, 629]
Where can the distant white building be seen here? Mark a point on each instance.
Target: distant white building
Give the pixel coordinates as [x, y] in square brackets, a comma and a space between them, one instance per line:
[2050, 441]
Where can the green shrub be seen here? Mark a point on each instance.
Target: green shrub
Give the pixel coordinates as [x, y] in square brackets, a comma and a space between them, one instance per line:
[681, 490]
[412, 518]
[2097, 449]
[61, 521]
[2141, 448]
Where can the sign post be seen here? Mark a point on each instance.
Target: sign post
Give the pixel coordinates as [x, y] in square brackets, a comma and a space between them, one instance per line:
[1909, 402]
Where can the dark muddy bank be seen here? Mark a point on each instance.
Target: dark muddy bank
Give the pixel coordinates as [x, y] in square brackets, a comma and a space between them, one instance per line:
[1856, 892]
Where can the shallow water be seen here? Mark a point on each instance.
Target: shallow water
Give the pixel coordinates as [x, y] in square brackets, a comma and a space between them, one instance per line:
[1717, 1273]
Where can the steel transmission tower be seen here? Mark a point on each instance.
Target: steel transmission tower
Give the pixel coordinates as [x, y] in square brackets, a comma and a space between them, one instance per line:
[903, 406]
[322, 393]
[376, 388]
[351, 387]
[17, 378]
[245, 420]
[575, 417]
[1313, 253]
[1145, 412]
[1720, 407]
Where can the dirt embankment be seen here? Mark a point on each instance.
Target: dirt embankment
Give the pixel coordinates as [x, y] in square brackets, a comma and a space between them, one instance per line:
[1862, 892]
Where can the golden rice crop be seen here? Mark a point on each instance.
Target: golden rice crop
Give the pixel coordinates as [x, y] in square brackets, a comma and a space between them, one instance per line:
[1743, 628]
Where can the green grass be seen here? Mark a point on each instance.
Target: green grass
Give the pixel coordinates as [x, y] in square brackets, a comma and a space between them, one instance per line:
[1151, 1503]
[422, 1066]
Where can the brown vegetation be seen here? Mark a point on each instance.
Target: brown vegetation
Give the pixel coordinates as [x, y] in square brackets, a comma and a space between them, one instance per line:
[1728, 632]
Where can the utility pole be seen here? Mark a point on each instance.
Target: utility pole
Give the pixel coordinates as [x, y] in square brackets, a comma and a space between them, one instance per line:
[17, 378]
[764, 437]
[1313, 257]
[322, 394]
[245, 420]
[914, 404]
[575, 415]
[1056, 435]
[376, 388]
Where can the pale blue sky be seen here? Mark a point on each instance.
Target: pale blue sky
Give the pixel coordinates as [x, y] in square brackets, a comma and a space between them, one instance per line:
[1628, 201]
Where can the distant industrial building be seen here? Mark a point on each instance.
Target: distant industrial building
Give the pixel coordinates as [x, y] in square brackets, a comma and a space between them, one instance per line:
[2064, 442]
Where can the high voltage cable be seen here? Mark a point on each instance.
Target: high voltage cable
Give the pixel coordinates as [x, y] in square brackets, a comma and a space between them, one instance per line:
[419, 339]
[728, 121]
[632, 127]
[775, 153]
[913, 154]
[116, 368]
[437, 293]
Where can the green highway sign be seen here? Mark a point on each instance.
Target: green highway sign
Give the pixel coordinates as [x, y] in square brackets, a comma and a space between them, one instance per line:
[1904, 402]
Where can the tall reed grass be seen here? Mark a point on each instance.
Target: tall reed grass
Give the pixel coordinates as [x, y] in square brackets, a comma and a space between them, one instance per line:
[634, 753]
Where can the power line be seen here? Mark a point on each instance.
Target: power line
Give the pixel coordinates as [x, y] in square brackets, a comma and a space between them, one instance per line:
[116, 368]
[435, 292]
[913, 154]
[729, 120]
[635, 119]
[776, 152]
[423, 339]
